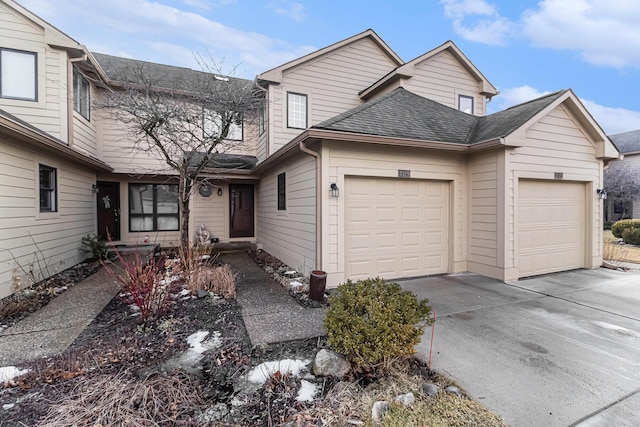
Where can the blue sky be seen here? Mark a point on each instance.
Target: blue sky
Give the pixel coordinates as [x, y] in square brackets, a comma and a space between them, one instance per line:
[525, 48]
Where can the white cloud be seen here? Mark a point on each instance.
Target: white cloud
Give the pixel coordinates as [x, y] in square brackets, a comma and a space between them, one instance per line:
[478, 21]
[294, 10]
[605, 32]
[157, 25]
[612, 120]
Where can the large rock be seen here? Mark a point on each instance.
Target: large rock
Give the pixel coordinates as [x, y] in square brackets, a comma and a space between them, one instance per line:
[378, 411]
[329, 363]
[406, 399]
[430, 389]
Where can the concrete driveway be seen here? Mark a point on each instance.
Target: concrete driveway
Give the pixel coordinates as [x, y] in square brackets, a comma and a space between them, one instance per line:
[559, 350]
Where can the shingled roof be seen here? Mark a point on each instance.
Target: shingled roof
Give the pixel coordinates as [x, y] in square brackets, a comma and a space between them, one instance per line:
[627, 142]
[124, 70]
[403, 114]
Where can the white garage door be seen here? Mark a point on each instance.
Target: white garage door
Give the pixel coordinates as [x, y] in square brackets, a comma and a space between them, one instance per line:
[396, 228]
[552, 226]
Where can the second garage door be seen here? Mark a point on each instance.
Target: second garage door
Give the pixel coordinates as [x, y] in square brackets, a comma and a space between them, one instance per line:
[552, 225]
[396, 228]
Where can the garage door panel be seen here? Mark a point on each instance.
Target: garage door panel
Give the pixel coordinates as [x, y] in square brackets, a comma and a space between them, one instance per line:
[406, 231]
[551, 230]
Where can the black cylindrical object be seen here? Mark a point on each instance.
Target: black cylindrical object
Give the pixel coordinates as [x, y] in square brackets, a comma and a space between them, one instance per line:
[317, 283]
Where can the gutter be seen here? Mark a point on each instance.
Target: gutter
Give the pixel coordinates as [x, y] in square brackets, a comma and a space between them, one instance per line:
[315, 154]
[70, 95]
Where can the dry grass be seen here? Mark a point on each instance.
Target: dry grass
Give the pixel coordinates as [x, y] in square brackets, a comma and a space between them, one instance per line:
[619, 253]
[116, 401]
[219, 280]
[348, 404]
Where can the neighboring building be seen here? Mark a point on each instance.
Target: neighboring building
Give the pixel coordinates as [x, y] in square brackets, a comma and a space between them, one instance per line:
[366, 165]
[628, 143]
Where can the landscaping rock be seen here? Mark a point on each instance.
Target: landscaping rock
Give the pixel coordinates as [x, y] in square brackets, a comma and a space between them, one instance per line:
[329, 363]
[453, 390]
[213, 414]
[379, 410]
[406, 399]
[201, 293]
[430, 389]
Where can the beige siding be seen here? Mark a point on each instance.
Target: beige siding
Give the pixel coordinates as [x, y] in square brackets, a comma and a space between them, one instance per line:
[289, 235]
[85, 131]
[29, 239]
[342, 159]
[442, 78]
[484, 201]
[211, 212]
[331, 83]
[48, 112]
[555, 144]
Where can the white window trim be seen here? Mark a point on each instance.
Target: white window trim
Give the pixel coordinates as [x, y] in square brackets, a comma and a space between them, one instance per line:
[307, 109]
[36, 84]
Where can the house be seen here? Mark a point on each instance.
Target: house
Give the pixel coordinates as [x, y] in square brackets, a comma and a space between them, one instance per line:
[628, 143]
[359, 164]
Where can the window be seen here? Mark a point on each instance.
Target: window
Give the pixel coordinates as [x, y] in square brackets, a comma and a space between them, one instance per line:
[153, 207]
[296, 110]
[465, 104]
[48, 193]
[81, 94]
[212, 124]
[262, 117]
[17, 74]
[282, 192]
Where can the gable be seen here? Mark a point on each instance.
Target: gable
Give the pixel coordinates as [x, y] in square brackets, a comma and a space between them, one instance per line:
[16, 30]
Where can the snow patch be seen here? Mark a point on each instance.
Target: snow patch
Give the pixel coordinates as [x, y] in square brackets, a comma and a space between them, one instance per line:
[199, 345]
[264, 371]
[10, 372]
[307, 391]
[295, 284]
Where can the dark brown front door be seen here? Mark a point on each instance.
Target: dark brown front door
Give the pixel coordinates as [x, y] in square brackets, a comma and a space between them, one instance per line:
[241, 210]
[108, 199]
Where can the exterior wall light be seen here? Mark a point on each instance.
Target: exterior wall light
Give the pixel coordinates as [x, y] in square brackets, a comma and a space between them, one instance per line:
[94, 188]
[335, 191]
[601, 193]
[219, 191]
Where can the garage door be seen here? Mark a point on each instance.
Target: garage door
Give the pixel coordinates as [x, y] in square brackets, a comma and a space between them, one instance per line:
[552, 226]
[396, 228]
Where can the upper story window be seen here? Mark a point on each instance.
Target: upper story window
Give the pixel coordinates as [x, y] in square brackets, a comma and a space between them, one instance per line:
[282, 192]
[262, 117]
[48, 189]
[81, 94]
[296, 110]
[213, 127]
[465, 104]
[18, 74]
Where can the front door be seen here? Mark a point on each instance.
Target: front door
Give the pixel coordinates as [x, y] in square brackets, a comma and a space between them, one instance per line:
[241, 210]
[108, 209]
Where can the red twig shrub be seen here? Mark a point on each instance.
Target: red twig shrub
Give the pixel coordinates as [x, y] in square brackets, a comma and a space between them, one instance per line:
[141, 281]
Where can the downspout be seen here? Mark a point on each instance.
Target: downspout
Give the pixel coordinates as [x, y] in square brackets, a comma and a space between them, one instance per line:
[315, 154]
[70, 94]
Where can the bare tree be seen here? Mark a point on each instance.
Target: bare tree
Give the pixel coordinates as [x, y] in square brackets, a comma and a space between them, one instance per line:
[182, 118]
[622, 183]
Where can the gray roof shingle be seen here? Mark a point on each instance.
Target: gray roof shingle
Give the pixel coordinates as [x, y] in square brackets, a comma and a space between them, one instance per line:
[403, 114]
[124, 70]
[627, 142]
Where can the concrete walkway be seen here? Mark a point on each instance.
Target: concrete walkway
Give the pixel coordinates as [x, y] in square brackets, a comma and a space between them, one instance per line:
[52, 329]
[269, 313]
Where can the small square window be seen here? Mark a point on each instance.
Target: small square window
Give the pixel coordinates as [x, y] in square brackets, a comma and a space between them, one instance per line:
[465, 104]
[18, 74]
[48, 189]
[296, 110]
[282, 192]
[81, 94]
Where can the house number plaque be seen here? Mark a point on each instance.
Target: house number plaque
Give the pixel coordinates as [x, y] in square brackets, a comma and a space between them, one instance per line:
[403, 173]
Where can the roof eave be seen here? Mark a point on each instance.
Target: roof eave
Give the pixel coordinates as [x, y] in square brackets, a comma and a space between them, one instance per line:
[41, 140]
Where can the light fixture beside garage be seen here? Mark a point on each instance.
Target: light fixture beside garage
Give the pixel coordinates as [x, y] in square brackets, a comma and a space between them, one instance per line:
[335, 191]
[601, 193]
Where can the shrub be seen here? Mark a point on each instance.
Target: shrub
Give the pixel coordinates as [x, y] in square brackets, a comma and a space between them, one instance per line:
[202, 272]
[373, 322]
[607, 225]
[618, 227]
[142, 283]
[631, 236]
[96, 246]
